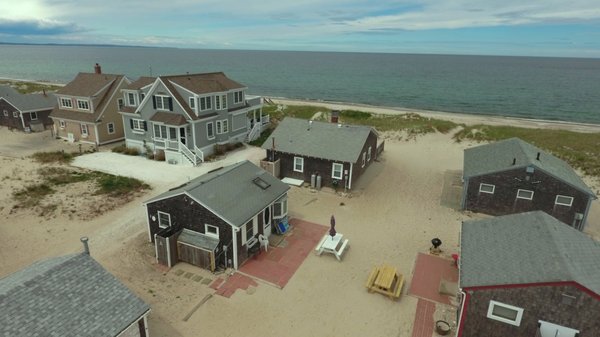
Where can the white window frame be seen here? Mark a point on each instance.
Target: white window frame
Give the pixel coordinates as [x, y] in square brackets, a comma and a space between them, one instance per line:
[220, 102]
[61, 123]
[84, 130]
[283, 207]
[163, 100]
[222, 126]
[369, 154]
[138, 125]
[159, 222]
[5, 112]
[207, 233]
[490, 313]
[563, 203]
[15, 114]
[192, 102]
[206, 101]
[483, 185]
[238, 97]
[364, 159]
[108, 127]
[521, 197]
[83, 104]
[208, 135]
[249, 227]
[66, 103]
[33, 116]
[299, 160]
[130, 98]
[341, 166]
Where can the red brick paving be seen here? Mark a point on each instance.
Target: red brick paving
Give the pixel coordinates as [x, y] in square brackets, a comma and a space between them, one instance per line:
[233, 283]
[429, 270]
[423, 324]
[216, 283]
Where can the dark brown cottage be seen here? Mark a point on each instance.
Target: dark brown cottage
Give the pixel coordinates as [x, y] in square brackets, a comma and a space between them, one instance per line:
[525, 275]
[332, 153]
[512, 176]
[25, 112]
[215, 220]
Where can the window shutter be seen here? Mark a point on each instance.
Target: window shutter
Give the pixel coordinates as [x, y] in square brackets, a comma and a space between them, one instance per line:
[131, 123]
[154, 101]
[145, 126]
[170, 103]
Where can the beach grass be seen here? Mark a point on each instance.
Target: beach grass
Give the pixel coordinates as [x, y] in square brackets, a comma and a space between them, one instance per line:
[59, 157]
[29, 87]
[580, 150]
[32, 195]
[118, 185]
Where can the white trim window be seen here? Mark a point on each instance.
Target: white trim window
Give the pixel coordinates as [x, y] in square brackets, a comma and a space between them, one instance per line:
[138, 125]
[525, 194]
[110, 127]
[337, 171]
[210, 130]
[83, 104]
[162, 102]
[131, 99]
[164, 219]
[487, 188]
[84, 130]
[238, 97]
[369, 154]
[212, 231]
[222, 126]
[5, 112]
[33, 116]
[220, 102]
[249, 231]
[66, 103]
[505, 313]
[563, 200]
[298, 164]
[205, 103]
[61, 124]
[15, 114]
[280, 208]
[192, 101]
[364, 159]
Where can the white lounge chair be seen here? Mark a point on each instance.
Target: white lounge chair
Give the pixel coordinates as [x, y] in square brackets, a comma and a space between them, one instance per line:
[264, 242]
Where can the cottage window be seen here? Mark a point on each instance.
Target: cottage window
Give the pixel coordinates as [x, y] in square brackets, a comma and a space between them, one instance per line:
[192, 101]
[210, 130]
[34, 116]
[337, 171]
[524, 194]
[110, 128]
[138, 125]
[222, 126]
[120, 104]
[487, 188]
[364, 159]
[131, 99]
[84, 130]
[61, 123]
[164, 219]
[163, 103]
[205, 103]
[298, 164]
[221, 102]
[210, 230]
[369, 154]
[564, 200]
[15, 114]
[267, 215]
[249, 230]
[505, 313]
[66, 103]
[238, 97]
[5, 112]
[83, 104]
[280, 208]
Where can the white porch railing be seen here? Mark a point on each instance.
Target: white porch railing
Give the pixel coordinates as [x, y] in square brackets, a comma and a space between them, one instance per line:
[171, 144]
[254, 133]
[266, 119]
[199, 153]
[188, 154]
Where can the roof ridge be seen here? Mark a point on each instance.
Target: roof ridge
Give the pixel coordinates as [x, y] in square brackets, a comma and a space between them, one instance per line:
[193, 74]
[221, 171]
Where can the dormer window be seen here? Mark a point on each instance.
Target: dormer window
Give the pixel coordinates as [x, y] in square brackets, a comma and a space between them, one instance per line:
[221, 102]
[205, 103]
[238, 97]
[192, 101]
[131, 99]
[83, 104]
[163, 103]
[66, 103]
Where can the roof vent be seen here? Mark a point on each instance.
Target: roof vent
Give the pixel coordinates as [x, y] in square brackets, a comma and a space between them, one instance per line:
[258, 181]
[86, 247]
[538, 156]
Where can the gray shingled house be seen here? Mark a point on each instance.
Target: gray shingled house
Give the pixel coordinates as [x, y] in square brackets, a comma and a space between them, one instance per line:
[70, 295]
[513, 176]
[25, 112]
[215, 219]
[187, 116]
[527, 274]
[338, 153]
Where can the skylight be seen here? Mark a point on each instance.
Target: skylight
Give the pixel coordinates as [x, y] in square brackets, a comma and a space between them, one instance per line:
[261, 183]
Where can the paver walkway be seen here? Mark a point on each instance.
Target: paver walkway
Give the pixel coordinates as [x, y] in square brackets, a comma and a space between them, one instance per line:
[429, 271]
[423, 324]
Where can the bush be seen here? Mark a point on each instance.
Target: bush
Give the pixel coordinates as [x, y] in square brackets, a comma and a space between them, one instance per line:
[119, 149]
[118, 185]
[53, 157]
[160, 155]
[132, 152]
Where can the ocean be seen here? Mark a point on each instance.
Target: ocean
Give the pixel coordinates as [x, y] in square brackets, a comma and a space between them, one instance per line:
[563, 89]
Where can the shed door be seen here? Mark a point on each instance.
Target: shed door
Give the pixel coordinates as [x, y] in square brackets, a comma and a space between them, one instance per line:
[162, 255]
[196, 256]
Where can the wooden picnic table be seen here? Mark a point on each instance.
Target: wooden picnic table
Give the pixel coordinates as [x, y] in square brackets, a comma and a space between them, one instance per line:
[386, 280]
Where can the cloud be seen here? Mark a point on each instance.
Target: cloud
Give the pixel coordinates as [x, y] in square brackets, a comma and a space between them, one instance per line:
[38, 27]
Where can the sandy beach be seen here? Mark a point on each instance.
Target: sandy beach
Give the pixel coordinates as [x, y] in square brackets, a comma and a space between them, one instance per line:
[396, 209]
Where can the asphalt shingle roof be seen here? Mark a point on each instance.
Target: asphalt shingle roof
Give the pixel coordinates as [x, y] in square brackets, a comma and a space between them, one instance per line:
[71, 295]
[27, 102]
[205, 83]
[319, 139]
[524, 248]
[168, 118]
[499, 156]
[140, 83]
[231, 192]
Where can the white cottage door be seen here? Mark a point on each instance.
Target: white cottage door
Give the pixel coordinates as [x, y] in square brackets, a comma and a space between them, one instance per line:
[267, 221]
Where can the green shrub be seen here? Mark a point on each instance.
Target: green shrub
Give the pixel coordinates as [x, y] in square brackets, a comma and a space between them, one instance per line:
[118, 185]
[60, 157]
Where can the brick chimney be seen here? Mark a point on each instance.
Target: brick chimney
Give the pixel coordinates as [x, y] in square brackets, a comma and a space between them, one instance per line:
[97, 69]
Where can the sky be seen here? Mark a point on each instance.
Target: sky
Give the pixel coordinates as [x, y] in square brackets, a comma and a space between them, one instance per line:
[483, 27]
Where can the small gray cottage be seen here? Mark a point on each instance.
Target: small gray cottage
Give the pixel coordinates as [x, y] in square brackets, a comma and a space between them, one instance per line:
[525, 275]
[70, 295]
[513, 176]
[215, 219]
[337, 153]
[186, 116]
[25, 112]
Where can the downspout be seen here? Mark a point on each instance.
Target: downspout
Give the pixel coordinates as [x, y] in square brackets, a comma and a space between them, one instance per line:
[464, 195]
[148, 221]
[463, 306]
[23, 119]
[350, 177]
[234, 231]
[97, 136]
[587, 211]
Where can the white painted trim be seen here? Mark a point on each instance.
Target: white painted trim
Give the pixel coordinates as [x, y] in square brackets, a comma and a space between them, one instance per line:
[350, 177]
[333, 170]
[561, 203]
[117, 90]
[86, 101]
[490, 314]
[136, 322]
[23, 119]
[148, 222]
[519, 191]
[158, 219]
[169, 91]
[155, 248]
[31, 115]
[301, 170]
[234, 230]
[96, 132]
[108, 129]
[146, 327]
[211, 234]
[168, 244]
[210, 99]
[213, 130]
[487, 185]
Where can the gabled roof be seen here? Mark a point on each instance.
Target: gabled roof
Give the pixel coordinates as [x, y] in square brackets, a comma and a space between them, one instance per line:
[499, 156]
[140, 83]
[232, 192]
[168, 118]
[97, 87]
[71, 295]
[524, 248]
[27, 102]
[204, 83]
[319, 139]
